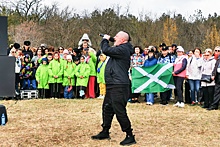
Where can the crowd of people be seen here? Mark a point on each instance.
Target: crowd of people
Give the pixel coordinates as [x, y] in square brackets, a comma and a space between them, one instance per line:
[79, 72]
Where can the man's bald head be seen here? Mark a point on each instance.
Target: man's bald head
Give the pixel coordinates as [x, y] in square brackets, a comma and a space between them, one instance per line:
[121, 37]
[124, 35]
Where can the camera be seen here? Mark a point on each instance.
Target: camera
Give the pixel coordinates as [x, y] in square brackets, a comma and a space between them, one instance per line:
[86, 49]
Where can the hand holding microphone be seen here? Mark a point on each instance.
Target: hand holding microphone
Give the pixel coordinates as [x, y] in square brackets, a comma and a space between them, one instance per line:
[107, 37]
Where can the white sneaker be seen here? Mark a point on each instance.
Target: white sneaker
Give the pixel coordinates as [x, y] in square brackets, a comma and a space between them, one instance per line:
[177, 104]
[149, 103]
[181, 105]
[101, 97]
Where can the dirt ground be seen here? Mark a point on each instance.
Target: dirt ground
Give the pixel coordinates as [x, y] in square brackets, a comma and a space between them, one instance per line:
[71, 123]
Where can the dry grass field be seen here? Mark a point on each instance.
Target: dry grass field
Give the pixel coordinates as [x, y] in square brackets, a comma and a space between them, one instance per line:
[71, 123]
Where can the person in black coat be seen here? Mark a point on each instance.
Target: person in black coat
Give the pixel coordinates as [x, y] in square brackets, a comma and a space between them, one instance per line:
[216, 77]
[26, 49]
[117, 86]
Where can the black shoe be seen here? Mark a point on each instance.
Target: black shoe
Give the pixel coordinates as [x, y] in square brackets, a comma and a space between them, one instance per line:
[211, 108]
[129, 140]
[102, 135]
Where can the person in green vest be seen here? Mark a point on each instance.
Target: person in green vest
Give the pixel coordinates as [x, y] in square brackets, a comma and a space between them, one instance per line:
[42, 77]
[90, 59]
[82, 74]
[101, 75]
[55, 75]
[68, 79]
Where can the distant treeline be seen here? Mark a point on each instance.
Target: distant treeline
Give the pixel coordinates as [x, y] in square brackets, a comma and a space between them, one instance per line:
[34, 21]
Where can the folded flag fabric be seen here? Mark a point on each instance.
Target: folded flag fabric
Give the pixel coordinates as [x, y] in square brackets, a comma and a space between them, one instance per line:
[157, 78]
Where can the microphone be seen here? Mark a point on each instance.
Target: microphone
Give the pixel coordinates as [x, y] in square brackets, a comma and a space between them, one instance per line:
[110, 39]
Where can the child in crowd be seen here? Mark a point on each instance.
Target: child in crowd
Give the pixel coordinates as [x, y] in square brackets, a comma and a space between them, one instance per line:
[55, 75]
[152, 60]
[42, 77]
[82, 73]
[49, 57]
[26, 72]
[101, 76]
[68, 79]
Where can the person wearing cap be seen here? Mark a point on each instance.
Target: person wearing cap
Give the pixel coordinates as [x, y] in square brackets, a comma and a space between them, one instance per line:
[152, 60]
[55, 75]
[179, 74]
[26, 49]
[162, 45]
[207, 68]
[82, 73]
[216, 76]
[68, 77]
[165, 58]
[42, 78]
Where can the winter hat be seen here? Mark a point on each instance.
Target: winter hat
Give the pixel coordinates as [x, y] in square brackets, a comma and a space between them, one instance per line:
[44, 59]
[65, 51]
[180, 49]
[16, 45]
[85, 37]
[103, 55]
[28, 57]
[27, 43]
[69, 57]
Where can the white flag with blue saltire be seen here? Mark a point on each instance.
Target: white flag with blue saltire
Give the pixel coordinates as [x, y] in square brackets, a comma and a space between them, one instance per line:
[157, 78]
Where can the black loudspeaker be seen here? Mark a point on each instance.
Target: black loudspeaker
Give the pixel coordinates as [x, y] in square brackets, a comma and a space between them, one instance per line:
[3, 115]
[3, 35]
[7, 76]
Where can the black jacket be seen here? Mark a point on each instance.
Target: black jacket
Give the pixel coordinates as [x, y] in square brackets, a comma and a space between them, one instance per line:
[215, 73]
[116, 71]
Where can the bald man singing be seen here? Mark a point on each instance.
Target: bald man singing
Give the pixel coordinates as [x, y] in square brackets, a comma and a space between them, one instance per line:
[117, 86]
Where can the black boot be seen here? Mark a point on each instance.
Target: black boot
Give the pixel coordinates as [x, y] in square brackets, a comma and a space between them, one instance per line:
[102, 135]
[129, 140]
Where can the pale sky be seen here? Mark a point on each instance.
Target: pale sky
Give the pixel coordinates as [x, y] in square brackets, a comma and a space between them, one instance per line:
[156, 7]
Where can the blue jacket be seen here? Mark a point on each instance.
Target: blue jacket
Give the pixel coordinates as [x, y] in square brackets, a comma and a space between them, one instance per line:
[150, 62]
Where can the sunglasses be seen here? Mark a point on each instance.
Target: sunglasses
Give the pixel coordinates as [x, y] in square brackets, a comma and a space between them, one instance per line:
[206, 55]
[60, 49]
[217, 50]
[13, 52]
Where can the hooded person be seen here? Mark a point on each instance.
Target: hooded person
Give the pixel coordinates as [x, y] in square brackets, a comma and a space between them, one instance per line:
[55, 76]
[82, 73]
[85, 39]
[42, 77]
[26, 72]
[68, 77]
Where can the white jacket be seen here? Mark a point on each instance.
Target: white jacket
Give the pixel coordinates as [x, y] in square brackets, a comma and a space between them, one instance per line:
[207, 68]
[193, 69]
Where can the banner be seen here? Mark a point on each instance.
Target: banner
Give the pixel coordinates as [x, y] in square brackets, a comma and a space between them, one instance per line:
[157, 78]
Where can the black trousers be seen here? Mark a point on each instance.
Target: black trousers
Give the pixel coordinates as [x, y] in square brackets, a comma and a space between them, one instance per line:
[55, 89]
[165, 96]
[115, 102]
[208, 94]
[179, 84]
[216, 100]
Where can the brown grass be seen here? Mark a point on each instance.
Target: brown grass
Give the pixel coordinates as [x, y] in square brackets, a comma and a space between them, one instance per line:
[60, 122]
